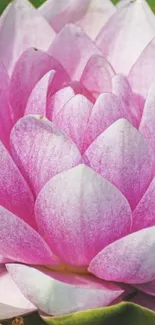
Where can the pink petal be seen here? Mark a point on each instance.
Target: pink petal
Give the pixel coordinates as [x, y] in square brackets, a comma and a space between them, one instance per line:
[78, 222]
[4, 260]
[126, 34]
[142, 73]
[30, 68]
[20, 242]
[107, 109]
[97, 75]
[76, 52]
[90, 15]
[130, 259]
[73, 119]
[22, 28]
[55, 297]
[37, 101]
[58, 100]
[144, 214]
[122, 89]
[12, 296]
[148, 118]
[5, 109]
[15, 194]
[7, 311]
[122, 156]
[47, 151]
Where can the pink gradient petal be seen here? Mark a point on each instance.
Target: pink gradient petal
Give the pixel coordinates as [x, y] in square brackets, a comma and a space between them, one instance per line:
[20, 242]
[148, 118]
[12, 296]
[76, 52]
[59, 13]
[122, 89]
[73, 119]
[22, 28]
[78, 222]
[55, 297]
[126, 34]
[130, 259]
[144, 214]
[107, 109]
[29, 69]
[97, 75]
[142, 73]
[122, 155]
[5, 109]
[47, 151]
[58, 100]
[15, 194]
[37, 101]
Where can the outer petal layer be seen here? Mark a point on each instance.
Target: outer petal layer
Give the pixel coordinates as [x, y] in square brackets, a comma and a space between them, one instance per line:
[11, 295]
[55, 297]
[15, 194]
[20, 242]
[22, 28]
[126, 34]
[79, 212]
[130, 259]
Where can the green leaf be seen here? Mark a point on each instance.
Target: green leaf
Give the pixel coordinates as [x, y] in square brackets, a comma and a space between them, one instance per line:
[121, 314]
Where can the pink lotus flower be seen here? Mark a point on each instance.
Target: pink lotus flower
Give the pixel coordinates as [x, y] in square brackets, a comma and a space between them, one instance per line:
[77, 178]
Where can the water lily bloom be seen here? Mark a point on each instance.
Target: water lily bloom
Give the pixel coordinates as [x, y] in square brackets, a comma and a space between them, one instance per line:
[77, 155]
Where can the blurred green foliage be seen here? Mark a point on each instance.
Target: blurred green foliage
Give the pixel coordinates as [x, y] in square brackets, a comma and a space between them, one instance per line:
[150, 2]
[37, 3]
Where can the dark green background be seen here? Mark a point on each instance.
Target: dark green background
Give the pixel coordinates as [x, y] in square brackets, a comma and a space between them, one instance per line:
[37, 3]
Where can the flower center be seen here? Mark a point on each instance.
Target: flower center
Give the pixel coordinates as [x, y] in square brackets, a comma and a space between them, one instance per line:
[66, 268]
